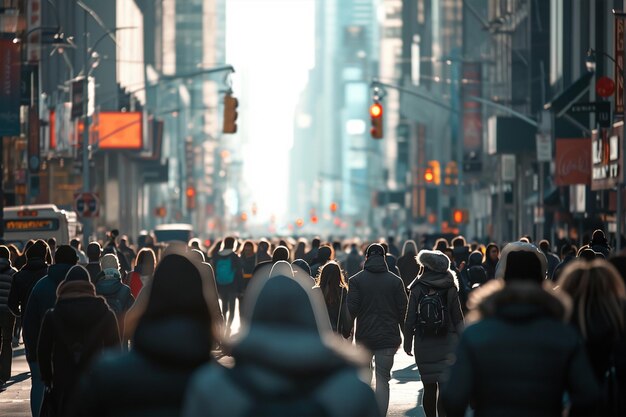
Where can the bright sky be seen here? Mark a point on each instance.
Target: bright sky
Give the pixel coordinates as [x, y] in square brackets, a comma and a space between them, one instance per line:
[271, 44]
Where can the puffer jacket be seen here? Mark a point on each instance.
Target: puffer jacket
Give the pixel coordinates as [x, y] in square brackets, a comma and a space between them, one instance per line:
[520, 357]
[377, 300]
[6, 282]
[283, 358]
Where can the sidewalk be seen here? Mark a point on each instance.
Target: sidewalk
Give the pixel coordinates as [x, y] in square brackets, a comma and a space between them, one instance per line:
[15, 398]
[405, 387]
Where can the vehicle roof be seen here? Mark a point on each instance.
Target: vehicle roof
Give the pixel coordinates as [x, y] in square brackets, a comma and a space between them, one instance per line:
[52, 207]
[174, 226]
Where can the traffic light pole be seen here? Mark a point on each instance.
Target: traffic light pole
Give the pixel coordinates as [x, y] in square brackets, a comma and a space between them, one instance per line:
[87, 222]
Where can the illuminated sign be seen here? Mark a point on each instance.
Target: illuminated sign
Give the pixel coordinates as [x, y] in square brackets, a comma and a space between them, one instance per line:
[32, 225]
[606, 157]
[27, 213]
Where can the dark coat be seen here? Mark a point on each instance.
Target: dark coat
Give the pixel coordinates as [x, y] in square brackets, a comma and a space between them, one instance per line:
[377, 300]
[82, 325]
[340, 320]
[354, 262]
[94, 270]
[490, 268]
[408, 267]
[23, 282]
[172, 339]
[553, 262]
[283, 355]
[6, 282]
[433, 352]
[42, 298]
[115, 293]
[520, 358]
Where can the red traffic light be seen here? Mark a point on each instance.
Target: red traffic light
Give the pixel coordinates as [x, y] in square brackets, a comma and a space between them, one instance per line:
[376, 110]
[333, 207]
[429, 176]
[299, 222]
[190, 192]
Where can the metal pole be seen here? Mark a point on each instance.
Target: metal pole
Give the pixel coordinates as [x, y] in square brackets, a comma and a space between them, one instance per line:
[540, 217]
[87, 226]
[618, 220]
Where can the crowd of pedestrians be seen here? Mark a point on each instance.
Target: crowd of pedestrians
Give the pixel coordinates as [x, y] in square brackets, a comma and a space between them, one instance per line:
[124, 330]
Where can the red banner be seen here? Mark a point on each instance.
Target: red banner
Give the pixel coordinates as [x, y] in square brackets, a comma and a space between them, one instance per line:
[573, 161]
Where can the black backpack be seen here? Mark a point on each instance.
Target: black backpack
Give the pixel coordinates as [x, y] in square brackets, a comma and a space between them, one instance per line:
[432, 312]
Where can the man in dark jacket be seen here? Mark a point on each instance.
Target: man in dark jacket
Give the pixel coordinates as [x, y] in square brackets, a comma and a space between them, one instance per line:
[553, 260]
[94, 252]
[354, 260]
[521, 357]
[377, 299]
[42, 298]
[407, 264]
[311, 256]
[7, 320]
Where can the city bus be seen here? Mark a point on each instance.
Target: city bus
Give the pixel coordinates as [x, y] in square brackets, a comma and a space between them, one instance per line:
[40, 221]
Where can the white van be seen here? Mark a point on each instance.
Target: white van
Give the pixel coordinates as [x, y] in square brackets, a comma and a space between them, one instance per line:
[40, 221]
[175, 231]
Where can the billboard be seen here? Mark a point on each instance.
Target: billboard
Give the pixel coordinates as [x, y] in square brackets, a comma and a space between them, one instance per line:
[606, 157]
[573, 161]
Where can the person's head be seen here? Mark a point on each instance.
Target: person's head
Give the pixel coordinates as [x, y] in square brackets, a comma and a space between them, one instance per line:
[544, 245]
[75, 243]
[524, 239]
[94, 251]
[459, 242]
[146, 261]
[475, 258]
[28, 244]
[248, 249]
[38, 250]
[522, 261]
[433, 260]
[409, 248]
[374, 250]
[325, 254]
[263, 246]
[595, 287]
[110, 264]
[77, 273]
[449, 252]
[52, 243]
[5, 254]
[331, 280]
[194, 243]
[492, 253]
[181, 291]
[588, 254]
[113, 234]
[316, 242]
[441, 244]
[281, 253]
[65, 254]
[568, 250]
[229, 243]
[336, 246]
[598, 238]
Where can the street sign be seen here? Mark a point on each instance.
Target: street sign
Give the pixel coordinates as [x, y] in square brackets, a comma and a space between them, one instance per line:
[87, 204]
[544, 147]
[602, 110]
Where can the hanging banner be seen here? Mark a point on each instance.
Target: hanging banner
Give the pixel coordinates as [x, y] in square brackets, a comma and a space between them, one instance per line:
[9, 88]
[572, 162]
[619, 65]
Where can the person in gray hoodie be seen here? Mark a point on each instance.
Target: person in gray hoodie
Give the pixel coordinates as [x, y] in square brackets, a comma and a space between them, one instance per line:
[287, 361]
[109, 285]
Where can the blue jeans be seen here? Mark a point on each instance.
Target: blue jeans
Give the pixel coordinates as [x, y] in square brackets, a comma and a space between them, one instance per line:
[36, 389]
[383, 362]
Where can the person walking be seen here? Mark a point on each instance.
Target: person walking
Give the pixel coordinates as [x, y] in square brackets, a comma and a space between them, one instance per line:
[553, 260]
[7, 319]
[407, 263]
[228, 275]
[94, 252]
[492, 256]
[73, 332]
[378, 301]
[82, 258]
[248, 262]
[287, 361]
[519, 356]
[599, 315]
[434, 321]
[354, 261]
[262, 253]
[324, 254]
[471, 277]
[311, 256]
[42, 298]
[332, 284]
[173, 338]
[109, 285]
[144, 269]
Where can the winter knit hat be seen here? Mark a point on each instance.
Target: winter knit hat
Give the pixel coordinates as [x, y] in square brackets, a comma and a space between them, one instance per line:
[65, 254]
[522, 261]
[37, 250]
[433, 260]
[77, 273]
[109, 261]
[374, 249]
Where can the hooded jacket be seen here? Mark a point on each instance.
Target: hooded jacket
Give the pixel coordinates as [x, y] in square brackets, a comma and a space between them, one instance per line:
[377, 300]
[79, 324]
[520, 357]
[118, 296]
[173, 338]
[407, 264]
[23, 282]
[42, 298]
[353, 262]
[6, 282]
[432, 351]
[229, 254]
[281, 355]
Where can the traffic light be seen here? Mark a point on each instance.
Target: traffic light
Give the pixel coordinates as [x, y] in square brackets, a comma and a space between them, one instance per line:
[230, 114]
[314, 219]
[190, 193]
[333, 207]
[460, 216]
[376, 113]
[299, 222]
[432, 173]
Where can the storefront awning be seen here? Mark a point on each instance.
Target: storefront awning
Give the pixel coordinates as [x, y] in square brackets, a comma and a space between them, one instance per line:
[561, 103]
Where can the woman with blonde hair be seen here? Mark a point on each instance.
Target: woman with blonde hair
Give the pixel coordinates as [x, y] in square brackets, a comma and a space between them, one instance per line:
[599, 313]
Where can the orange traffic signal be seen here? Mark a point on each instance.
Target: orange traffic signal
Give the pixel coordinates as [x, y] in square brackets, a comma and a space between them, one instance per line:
[299, 222]
[244, 216]
[190, 192]
[230, 114]
[460, 216]
[376, 113]
[314, 219]
[429, 175]
[333, 207]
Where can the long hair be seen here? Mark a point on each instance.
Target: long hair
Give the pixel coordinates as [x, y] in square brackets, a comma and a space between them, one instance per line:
[332, 282]
[247, 244]
[595, 288]
[146, 261]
